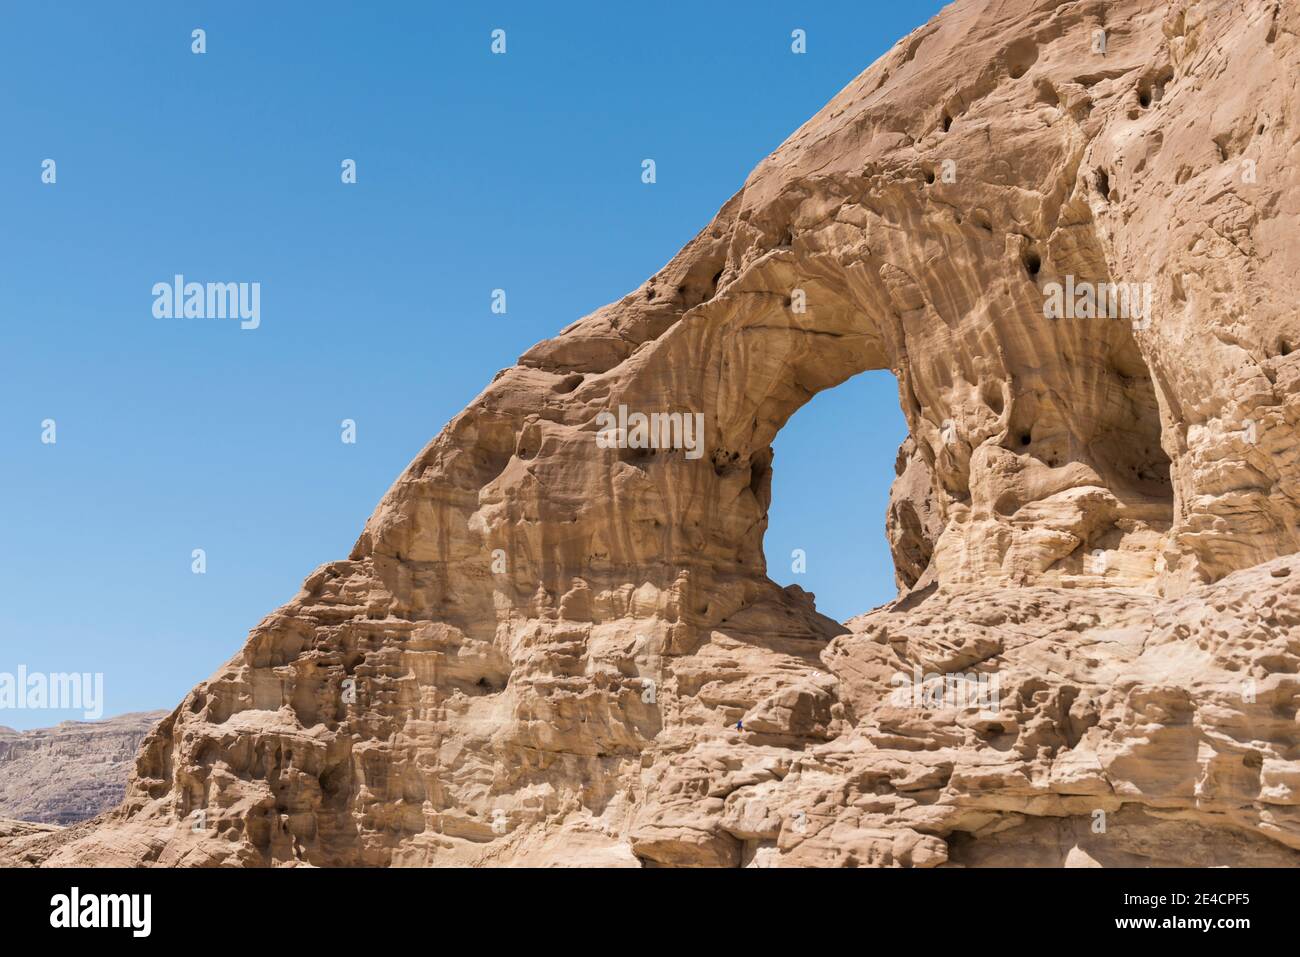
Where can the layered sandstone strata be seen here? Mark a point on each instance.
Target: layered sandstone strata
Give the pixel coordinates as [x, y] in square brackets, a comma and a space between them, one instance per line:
[545, 651]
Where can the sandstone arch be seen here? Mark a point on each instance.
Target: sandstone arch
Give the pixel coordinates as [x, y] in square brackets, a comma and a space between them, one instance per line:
[587, 692]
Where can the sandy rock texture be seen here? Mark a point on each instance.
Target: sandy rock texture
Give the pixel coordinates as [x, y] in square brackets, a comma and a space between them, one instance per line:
[541, 651]
[24, 843]
[72, 771]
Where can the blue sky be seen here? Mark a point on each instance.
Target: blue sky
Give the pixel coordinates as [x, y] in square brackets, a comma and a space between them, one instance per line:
[475, 172]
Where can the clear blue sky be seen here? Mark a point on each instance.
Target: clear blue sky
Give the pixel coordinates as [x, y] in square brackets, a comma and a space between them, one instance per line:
[475, 172]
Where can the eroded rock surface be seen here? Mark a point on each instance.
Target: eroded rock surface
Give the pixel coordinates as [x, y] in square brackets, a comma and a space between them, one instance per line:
[24, 843]
[541, 651]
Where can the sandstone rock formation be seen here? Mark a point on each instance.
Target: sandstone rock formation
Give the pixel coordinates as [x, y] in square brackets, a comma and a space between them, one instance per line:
[541, 651]
[23, 843]
[70, 772]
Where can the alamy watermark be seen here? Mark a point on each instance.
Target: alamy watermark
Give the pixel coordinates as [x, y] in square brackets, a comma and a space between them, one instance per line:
[129, 911]
[935, 691]
[1101, 300]
[179, 299]
[75, 691]
[655, 430]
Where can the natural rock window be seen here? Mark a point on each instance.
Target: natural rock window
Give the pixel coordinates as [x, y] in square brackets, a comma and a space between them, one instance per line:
[831, 476]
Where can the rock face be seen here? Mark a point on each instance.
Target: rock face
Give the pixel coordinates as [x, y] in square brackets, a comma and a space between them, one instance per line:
[545, 651]
[72, 771]
[23, 843]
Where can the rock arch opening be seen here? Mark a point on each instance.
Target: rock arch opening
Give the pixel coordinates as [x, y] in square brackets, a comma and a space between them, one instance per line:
[833, 465]
[1033, 450]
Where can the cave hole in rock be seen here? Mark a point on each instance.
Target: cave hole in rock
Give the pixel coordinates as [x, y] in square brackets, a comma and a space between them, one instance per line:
[1103, 183]
[831, 472]
[1020, 56]
[1033, 262]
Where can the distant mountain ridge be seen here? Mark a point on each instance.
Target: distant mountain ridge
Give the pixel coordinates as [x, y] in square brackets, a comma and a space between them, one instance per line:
[72, 771]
